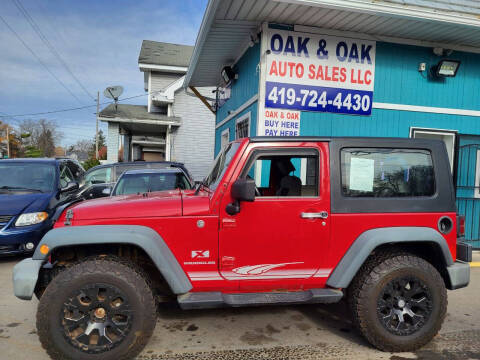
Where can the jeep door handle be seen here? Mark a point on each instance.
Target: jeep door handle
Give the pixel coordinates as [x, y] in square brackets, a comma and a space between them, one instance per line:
[314, 215]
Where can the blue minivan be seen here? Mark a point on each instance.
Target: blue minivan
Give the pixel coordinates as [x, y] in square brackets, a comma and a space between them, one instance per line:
[30, 192]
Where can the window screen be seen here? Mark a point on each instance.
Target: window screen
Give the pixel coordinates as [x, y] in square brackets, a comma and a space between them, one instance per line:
[376, 172]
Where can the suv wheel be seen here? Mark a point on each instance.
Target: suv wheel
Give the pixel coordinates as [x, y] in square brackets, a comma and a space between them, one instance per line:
[398, 302]
[96, 309]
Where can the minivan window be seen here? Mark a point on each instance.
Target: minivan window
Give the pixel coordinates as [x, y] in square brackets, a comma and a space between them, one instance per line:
[65, 175]
[381, 172]
[27, 176]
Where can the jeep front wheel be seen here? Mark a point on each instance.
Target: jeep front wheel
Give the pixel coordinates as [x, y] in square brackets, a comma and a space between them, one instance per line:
[398, 302]
[96, 309]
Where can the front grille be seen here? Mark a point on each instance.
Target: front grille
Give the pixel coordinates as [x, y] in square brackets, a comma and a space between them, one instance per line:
[5, 218]
[7, 248]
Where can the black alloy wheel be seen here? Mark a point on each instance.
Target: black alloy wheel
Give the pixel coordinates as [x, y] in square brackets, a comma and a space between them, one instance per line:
[102, 308]
[398, 301]
[404, 305]
[96, 318]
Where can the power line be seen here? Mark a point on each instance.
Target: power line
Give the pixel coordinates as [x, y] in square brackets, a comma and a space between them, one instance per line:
[77, 108]
[38, 59]
[48, 44]
[51, 112]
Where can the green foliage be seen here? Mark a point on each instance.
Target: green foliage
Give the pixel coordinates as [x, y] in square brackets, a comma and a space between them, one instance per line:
[90, 163]
[101, 144]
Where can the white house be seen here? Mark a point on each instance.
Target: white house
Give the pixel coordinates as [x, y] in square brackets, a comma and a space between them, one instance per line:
[174, 125]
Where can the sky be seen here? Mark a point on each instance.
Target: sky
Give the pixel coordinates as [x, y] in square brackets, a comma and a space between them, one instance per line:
[98, 40]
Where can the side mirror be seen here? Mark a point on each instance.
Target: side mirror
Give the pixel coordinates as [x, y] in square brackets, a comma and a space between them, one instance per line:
[71, 186]
[107, 191]
[242, 190]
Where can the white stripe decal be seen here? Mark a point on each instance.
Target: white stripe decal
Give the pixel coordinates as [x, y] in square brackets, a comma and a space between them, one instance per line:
[260, 269]
[279, 274]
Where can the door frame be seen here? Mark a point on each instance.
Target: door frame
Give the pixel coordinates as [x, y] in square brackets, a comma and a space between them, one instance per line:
[435, 131]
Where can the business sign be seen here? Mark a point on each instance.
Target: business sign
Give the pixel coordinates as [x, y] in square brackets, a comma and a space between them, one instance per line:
[278, 122]
[308, 72]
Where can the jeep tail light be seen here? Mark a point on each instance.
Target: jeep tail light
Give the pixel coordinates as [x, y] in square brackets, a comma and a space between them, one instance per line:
[460, 225]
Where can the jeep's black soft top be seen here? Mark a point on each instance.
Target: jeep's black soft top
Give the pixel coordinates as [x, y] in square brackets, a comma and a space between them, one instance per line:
[443, 200]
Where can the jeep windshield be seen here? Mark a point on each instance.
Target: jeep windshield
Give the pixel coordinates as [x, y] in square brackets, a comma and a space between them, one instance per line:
[22, 177]
[220, 165]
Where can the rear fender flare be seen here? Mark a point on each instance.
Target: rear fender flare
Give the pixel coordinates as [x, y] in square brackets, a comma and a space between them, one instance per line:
[368, 241]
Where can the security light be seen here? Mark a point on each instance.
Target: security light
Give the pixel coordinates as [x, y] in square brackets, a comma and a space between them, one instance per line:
[227, 74]
[446, 68]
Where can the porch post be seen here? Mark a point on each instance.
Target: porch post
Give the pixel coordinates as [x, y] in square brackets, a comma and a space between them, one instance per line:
[167, 144]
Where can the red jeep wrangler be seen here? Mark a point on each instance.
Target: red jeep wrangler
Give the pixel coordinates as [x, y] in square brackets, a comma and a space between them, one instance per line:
[277, 221]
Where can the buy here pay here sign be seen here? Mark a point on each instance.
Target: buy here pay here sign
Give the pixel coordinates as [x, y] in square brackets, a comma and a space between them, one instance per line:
[310, 72]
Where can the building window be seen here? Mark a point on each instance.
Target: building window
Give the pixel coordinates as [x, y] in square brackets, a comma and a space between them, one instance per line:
[242, 127]
[225, 138]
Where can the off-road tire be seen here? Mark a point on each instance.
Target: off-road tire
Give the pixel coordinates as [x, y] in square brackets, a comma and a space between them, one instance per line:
[114, 272]
[368, 285]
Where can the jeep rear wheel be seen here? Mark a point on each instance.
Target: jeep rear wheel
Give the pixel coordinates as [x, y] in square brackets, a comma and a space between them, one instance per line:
[398, 302]
[96, 309]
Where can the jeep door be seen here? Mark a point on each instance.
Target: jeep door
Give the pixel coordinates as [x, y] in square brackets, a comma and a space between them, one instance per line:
[282, 237]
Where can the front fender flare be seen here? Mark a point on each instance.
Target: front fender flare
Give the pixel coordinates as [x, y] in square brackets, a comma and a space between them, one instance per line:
[368, 241]
[144, 237]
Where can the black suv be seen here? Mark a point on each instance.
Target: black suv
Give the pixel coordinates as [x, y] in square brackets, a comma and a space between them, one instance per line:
[101, 177]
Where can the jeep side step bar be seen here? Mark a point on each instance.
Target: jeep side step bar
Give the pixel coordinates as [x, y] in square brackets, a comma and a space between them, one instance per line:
[210, 300]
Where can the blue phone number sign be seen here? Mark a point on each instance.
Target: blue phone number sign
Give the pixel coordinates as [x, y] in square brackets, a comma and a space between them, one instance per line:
[318, 98]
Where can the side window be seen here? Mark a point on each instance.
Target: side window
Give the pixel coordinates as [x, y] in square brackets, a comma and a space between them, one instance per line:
[75, 169]
[65, 175]
[380, 172]
[99, 176]
[285, 174]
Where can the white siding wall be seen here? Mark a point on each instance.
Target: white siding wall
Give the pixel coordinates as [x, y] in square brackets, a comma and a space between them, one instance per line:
[112, 142]
[193, 142]
[158, 82]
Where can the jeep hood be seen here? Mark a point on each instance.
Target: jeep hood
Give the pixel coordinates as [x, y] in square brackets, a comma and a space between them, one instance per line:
[156, 204]
[165, 203]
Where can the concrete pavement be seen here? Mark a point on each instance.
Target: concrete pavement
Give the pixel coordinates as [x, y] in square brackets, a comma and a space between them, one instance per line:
[292, 332]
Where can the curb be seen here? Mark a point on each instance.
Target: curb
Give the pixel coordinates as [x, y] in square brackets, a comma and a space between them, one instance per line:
[475, 264]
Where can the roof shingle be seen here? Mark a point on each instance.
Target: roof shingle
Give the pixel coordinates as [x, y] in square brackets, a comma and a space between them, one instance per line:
[160, 53]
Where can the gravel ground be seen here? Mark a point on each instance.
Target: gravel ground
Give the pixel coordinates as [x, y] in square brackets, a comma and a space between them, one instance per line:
[291, 332]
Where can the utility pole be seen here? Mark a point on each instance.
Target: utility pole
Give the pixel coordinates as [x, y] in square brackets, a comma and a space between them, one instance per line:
[96, 133]
[8, 143]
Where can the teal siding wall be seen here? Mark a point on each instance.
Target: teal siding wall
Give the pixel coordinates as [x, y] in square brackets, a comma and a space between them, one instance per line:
[243, 89]
[398, 81]
[231, 125]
